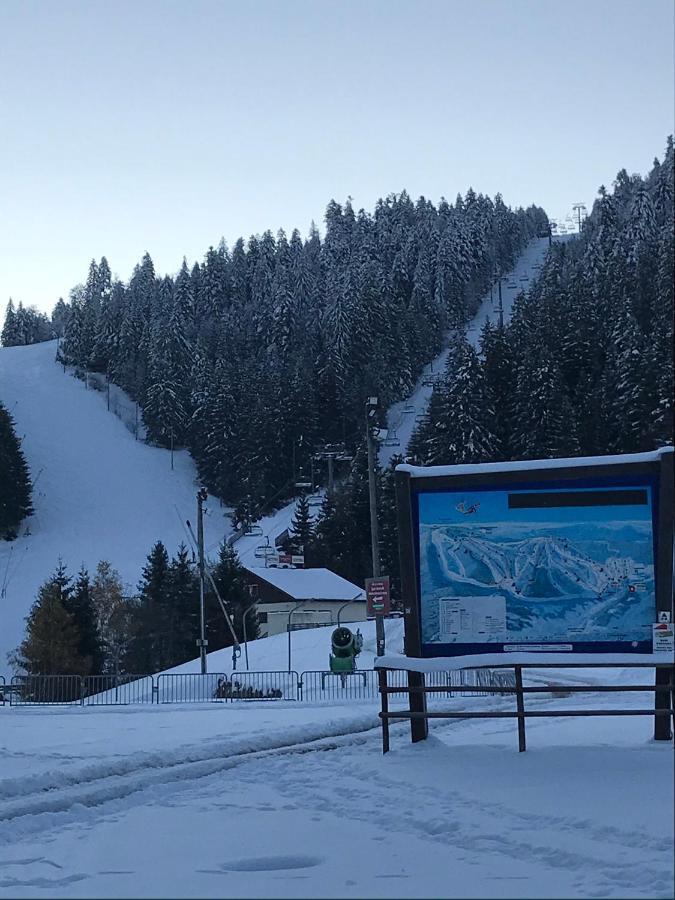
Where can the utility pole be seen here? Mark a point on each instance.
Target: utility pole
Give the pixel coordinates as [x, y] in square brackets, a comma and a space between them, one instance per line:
[371, 414]
[202, 643]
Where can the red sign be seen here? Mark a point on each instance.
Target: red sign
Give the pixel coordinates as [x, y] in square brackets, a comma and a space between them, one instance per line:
[378, 601]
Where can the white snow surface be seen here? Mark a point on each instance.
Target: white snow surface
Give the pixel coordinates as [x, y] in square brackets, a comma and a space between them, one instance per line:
[98, 493]
[401, 424]
[288, 800]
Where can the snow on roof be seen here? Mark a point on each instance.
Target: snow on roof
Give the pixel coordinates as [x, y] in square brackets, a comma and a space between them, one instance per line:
[310, 584]
[523, 465]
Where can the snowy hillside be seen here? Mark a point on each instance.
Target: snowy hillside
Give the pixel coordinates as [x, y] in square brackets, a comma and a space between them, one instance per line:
[98, 494]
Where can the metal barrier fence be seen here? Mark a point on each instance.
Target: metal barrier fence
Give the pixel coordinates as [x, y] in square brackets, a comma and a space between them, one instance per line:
[190, 687]
[117, 690]
[30, 690]
[321, 686]
[263, 686]
[314, 686]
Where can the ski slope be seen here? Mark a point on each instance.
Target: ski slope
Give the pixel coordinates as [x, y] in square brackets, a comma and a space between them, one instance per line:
[402, 423]
[98, 493]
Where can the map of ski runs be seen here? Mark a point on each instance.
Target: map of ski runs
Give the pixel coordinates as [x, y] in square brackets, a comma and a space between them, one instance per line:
[539, 565]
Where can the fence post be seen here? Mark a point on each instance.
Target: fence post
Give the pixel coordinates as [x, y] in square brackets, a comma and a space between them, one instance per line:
[82, 691]
[419, 728]
[382, 677]
[520, 706]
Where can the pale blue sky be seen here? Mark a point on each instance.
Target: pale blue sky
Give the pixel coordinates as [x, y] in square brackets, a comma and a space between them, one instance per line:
[160, 126]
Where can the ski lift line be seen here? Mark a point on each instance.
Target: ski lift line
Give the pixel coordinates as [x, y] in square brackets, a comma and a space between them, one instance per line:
[9, 574]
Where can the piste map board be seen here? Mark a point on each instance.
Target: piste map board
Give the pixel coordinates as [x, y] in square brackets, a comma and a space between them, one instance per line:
[557, 559]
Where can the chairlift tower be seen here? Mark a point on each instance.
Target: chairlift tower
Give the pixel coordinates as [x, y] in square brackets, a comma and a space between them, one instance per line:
[332, 452]
[580, 209]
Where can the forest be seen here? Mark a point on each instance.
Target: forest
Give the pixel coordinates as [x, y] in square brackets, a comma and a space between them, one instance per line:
[259, 356]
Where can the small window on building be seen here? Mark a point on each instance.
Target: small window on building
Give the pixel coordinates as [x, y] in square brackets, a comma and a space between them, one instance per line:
[262, 618]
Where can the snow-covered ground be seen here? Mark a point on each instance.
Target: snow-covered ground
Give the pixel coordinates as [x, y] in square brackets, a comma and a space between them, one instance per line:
[402, 417]
[286, 800]
[98, 493]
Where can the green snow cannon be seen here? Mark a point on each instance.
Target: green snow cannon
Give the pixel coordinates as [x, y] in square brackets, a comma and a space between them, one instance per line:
[344, 650]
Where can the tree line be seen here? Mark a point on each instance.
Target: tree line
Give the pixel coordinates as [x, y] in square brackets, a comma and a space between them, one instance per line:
[259, 355]
[26, 325]
[90, 626]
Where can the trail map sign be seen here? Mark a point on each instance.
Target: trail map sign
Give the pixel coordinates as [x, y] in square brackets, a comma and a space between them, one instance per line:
[555, 555]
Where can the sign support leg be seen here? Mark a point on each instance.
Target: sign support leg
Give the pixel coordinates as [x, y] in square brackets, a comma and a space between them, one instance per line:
[419, 728]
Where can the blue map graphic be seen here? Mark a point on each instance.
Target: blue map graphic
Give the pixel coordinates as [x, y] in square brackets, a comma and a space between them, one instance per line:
[567, 574]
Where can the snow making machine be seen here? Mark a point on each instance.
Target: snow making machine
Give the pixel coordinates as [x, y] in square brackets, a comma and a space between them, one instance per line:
[345, 647]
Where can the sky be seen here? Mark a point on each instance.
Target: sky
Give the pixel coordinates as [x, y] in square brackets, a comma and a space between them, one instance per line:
[160, 127]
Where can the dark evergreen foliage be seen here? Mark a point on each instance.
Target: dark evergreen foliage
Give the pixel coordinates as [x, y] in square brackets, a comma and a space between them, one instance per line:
[15, 483]
[52, 642]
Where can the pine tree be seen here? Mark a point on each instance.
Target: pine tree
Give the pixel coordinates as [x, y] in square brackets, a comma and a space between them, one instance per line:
[51, 645]
[149, 650]
[15, 483]
[9, 334]
[302, 525]
[80, 605]
[180, 620]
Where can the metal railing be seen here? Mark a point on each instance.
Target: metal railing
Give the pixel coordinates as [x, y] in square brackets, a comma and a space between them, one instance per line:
[263, 686]
[117, 690]
[190, 687]
[29, 690]
[312, 686]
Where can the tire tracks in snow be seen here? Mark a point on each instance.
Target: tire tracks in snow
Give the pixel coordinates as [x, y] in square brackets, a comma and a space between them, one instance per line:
[63, 800]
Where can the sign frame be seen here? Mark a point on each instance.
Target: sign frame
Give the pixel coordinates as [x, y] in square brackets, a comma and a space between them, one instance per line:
[654, 468]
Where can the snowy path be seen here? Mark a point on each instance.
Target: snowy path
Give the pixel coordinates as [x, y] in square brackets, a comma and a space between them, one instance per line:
[98, 493]
[299, 802]
[401, 424]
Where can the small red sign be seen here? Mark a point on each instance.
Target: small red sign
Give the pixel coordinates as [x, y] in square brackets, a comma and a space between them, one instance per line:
[378, 600]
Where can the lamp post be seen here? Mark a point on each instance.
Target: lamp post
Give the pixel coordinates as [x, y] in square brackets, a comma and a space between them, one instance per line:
[359, 596]
[243, 622]
[288, 629]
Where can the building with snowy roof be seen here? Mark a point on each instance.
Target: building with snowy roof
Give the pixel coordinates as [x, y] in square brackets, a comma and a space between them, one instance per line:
[304, 598]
